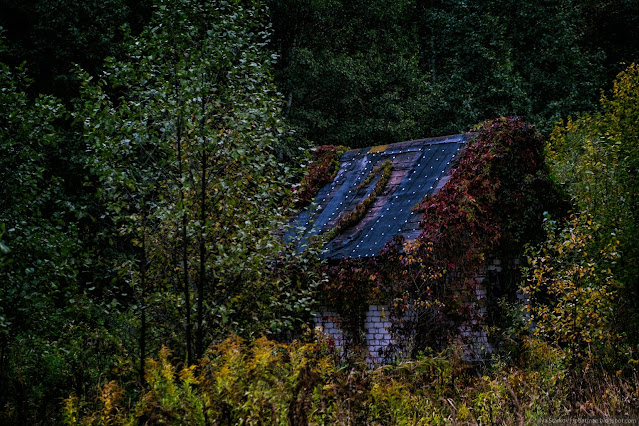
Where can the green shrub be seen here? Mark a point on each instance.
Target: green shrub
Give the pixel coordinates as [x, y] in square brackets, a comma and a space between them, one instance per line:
[595, 159]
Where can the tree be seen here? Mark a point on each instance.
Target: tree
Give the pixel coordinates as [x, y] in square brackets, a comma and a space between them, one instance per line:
[595, 158]
[194, 134]
[52, 35]
[55, 329]
[350, 71]
[365, 73]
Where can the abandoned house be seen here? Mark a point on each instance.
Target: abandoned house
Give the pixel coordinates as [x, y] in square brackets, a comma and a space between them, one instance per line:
[419, 169]
[396, 197]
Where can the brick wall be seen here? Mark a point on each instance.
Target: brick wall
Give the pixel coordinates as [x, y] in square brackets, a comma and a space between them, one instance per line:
[377, 325]
[329, 323]
[378, 337]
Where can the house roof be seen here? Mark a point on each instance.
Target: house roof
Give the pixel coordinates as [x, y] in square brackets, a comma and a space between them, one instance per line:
[420, 168]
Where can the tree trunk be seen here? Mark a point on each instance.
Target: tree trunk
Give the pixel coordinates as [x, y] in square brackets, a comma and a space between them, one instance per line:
[199, 344]
[185, 260]
[143, 268]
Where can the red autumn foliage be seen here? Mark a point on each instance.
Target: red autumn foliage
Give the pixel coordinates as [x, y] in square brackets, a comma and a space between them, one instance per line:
[491, 206]
[321, 171]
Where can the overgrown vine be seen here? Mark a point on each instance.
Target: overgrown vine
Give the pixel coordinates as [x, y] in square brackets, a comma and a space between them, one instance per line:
[490, 207]
[321, 170]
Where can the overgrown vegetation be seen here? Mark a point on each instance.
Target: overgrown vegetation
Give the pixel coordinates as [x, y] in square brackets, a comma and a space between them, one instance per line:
[143, 192]
[267, 382]
[321, 170]
[491, 206]
[582, 280]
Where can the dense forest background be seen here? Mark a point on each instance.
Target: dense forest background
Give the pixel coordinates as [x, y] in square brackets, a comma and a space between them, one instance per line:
[147, 155]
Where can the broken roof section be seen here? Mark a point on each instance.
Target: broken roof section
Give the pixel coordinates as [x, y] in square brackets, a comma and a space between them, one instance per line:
[420, 168]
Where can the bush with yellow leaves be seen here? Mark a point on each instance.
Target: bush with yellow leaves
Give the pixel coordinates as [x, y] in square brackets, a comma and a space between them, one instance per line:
[570, 290]
[234, 383]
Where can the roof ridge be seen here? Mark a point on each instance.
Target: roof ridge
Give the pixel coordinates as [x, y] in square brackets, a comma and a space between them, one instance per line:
[381, 149]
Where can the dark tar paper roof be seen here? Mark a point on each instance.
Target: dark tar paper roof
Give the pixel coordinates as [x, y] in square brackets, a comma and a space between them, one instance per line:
[420, 168]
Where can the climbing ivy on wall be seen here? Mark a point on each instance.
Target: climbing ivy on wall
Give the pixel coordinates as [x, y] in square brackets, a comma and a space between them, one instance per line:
[490, 207]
